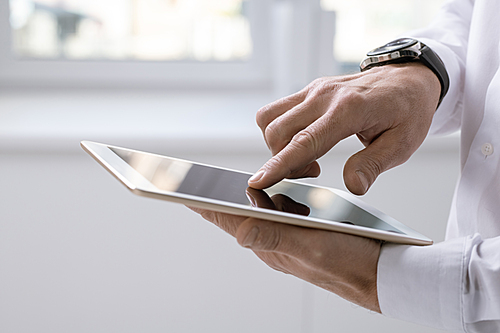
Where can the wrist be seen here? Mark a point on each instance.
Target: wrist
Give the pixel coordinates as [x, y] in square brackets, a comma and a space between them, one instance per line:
[413, 77]
[427, 80]
[407, 50]
[366, 282]
[359, 284]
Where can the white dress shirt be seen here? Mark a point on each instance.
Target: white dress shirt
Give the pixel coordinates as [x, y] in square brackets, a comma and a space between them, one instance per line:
[455, 285]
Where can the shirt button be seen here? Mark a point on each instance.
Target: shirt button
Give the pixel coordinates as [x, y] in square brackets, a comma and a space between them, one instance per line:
[487, 149]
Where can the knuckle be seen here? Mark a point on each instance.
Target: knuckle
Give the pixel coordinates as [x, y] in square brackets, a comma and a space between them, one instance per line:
[269, 238]
[373, 166]
[352, 98]
[209, 216]
[278, 266]
[307, 140]
[280, 162]
[268, 113]
[274, 135]
[262, 117]
[324, 87]
[319, 82]
[278, 263]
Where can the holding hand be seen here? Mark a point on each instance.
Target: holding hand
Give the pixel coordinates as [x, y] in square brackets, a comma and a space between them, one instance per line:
[340, 263]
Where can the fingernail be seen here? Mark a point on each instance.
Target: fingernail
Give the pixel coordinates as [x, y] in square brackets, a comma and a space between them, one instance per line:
[251, 237]
[363, 180]
[251, 199]
[257, 176]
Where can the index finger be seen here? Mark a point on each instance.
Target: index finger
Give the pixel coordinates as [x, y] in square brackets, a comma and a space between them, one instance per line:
[305, 147]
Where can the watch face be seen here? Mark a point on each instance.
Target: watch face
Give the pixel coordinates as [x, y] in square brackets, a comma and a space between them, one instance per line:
[395, 45]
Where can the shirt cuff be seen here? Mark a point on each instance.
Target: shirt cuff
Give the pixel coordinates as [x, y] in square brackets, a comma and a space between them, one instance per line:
[447, 118]
[423, 284]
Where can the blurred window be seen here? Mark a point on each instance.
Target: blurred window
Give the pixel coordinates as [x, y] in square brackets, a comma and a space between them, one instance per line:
[205, 43]
[363, 25]
[158, 30]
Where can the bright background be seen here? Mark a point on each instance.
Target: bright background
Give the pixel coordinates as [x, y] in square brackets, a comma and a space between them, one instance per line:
[78, 253]
[135, 29]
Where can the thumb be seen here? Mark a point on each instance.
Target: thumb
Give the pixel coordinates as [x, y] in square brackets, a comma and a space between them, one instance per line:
[387, 151]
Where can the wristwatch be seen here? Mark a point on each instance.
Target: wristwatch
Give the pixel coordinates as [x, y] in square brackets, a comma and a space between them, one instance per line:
[407, 50]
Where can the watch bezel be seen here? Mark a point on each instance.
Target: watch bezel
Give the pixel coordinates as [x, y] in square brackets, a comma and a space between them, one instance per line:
[399, 50]
[393, 46]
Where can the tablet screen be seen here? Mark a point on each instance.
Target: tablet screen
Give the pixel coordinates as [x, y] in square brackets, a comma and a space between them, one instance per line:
[180, 176]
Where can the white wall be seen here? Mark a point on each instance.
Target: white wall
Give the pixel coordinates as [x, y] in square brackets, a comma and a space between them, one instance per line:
[79, 253]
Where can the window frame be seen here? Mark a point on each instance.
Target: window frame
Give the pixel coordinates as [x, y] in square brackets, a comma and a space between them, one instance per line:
[254, 72]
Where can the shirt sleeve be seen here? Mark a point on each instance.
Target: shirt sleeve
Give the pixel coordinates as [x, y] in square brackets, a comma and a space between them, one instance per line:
[452, 285]
[448, 37]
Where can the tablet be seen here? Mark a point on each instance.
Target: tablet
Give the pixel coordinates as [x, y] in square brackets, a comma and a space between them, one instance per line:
[224, 190]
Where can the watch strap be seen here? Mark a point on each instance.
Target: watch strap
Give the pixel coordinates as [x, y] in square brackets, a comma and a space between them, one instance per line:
[432, 60]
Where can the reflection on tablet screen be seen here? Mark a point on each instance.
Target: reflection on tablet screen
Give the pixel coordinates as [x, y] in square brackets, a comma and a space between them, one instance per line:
[218, 184]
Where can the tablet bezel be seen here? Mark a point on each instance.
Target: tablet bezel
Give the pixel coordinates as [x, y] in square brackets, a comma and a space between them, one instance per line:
[139, 185]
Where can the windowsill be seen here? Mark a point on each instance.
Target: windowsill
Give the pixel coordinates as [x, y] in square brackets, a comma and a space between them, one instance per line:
[59, 120]
[173, 121]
